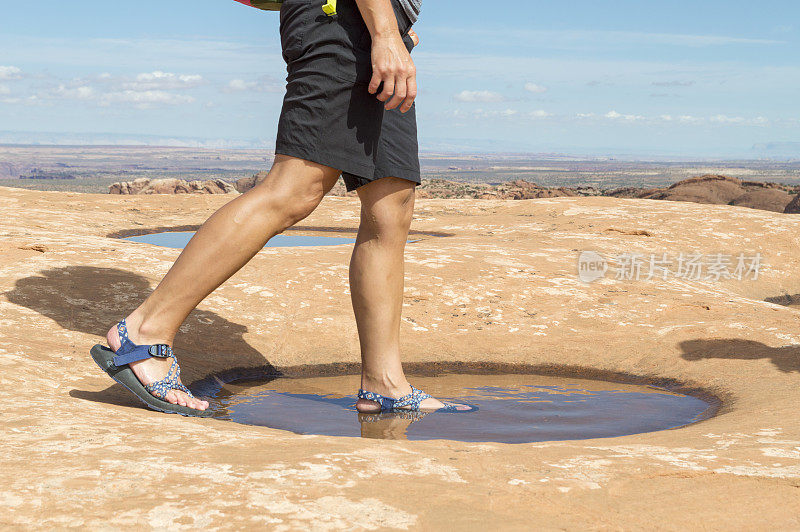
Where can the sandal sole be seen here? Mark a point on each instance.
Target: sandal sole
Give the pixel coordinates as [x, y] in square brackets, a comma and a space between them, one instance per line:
[103, 357]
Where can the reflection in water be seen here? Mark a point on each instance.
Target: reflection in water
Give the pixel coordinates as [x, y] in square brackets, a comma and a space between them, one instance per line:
[179, 239]
[512, 408]
[388, 425]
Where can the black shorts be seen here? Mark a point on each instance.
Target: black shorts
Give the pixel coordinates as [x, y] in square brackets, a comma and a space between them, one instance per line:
[328, 116]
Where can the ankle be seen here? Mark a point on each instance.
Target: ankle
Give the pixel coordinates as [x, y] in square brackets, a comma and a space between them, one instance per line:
[146, 330]
[385, 384]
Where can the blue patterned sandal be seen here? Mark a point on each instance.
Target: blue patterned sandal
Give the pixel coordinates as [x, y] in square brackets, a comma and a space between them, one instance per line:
[116, 365]
[408, 402]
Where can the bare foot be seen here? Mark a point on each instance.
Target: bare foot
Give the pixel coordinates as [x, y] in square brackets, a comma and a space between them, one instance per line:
[152, 369]
[366, 406]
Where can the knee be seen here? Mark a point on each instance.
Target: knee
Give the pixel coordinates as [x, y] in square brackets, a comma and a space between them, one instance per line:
[391, 214]
[291, 204]
[295, 207]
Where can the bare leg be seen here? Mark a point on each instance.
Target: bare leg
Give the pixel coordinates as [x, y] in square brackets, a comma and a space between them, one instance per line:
[225, 243]
[376, 287]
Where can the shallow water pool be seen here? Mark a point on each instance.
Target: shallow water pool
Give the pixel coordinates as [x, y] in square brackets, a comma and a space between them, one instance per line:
[179, 239]
[511, 408]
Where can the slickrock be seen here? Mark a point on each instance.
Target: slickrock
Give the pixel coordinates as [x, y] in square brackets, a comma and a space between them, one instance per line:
[78, 451]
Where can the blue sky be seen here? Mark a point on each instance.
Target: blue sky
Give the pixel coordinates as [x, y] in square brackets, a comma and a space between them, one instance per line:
[682, 78]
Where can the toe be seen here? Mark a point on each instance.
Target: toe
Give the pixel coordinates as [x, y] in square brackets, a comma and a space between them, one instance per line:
[431, 404]
[170, 398]
[435, 404]
[184, 399]
[197, 404]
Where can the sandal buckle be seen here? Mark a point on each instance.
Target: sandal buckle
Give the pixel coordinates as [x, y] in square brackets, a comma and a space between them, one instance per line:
[160, 351]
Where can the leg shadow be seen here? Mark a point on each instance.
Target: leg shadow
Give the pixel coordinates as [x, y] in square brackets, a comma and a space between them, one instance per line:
[785, 358]
[89, 300]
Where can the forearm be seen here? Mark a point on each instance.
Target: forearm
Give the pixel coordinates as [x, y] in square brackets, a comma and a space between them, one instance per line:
[379, 17]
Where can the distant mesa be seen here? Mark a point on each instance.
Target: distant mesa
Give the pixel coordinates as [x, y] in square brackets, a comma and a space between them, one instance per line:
[44, 174]
[144, 185]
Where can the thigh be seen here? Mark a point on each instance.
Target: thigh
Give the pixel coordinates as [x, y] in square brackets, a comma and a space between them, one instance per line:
[298, 178]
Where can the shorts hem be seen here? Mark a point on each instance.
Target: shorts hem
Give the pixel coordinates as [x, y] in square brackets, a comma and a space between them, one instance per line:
[338, 162]
[352, 182]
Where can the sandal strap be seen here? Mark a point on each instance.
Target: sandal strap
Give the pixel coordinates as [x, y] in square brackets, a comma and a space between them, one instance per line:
[411, 400]
[170, 382]
[129, 352]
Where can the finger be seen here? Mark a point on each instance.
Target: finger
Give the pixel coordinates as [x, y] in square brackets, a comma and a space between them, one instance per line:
[401, 88]
[411, 94]
[374, 83]
[388, 89]
[414, 37]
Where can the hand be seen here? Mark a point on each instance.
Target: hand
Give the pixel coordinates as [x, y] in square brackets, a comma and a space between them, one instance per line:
[392, 65]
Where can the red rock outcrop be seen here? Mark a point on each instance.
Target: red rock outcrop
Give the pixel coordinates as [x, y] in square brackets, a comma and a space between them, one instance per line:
[246, 183]
[144, 185]
[794, 206]
[716, 190]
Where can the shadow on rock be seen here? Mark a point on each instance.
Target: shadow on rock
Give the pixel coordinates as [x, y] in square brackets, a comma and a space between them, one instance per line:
[785, 358]
[90, 300]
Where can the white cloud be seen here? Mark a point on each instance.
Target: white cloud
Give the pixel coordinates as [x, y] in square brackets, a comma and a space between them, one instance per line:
[479, 96]
[613, 115]
[64, 92]
[145, 99]
[534, 88]
[82, 92]
[482, 114]
[236, 85]
[262, 84]
[4, 89]
[159, 80]
[724, 119]
[539, 113]
[10, 72]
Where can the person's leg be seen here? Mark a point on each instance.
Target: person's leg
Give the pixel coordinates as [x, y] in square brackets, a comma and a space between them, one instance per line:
[376, 287]
[224, 243]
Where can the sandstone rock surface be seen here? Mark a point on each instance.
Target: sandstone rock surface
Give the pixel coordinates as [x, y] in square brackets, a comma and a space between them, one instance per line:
[78, 451]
